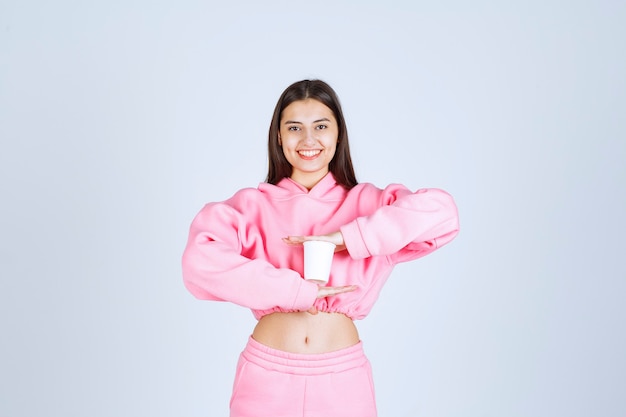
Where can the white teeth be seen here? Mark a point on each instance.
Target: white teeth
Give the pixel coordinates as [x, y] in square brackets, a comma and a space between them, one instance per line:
[309, 153]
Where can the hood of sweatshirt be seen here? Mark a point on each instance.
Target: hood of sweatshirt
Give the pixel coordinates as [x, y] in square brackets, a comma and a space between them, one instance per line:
[326, 189]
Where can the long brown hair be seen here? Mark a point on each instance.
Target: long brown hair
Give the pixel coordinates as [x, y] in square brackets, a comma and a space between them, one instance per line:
[341, 164]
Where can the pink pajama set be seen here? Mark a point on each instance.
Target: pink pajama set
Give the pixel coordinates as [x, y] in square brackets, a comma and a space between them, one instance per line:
[235, 253]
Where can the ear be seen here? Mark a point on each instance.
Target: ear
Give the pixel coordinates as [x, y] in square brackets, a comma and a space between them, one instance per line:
[280, 142]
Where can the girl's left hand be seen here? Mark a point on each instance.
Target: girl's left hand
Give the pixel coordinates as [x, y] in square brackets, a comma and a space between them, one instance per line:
[336, 238]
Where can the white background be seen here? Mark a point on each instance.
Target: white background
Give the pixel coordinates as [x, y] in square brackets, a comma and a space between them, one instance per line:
[120, 119]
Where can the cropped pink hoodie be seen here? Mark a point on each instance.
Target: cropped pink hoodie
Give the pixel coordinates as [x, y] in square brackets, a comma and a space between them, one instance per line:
[235, 250]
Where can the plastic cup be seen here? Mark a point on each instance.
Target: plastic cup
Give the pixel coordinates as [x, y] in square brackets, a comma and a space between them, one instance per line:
[318, 257]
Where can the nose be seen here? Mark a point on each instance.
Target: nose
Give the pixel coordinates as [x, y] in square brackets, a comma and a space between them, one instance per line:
[309, 136]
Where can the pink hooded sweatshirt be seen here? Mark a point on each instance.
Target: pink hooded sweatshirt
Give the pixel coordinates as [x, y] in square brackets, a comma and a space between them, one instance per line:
[235, 250]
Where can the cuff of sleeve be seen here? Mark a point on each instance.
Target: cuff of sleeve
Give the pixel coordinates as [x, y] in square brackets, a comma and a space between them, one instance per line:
[353, 239]
[305, 296]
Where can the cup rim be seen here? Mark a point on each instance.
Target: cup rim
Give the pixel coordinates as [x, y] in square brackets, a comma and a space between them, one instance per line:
[319, 241]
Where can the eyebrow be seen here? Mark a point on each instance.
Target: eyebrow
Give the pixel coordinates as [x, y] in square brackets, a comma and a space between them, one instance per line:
[316, 121]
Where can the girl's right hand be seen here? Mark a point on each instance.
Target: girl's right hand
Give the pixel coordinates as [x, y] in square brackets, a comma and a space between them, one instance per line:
[330, 291]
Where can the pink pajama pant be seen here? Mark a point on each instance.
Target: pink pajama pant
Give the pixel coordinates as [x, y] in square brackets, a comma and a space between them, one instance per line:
[273, 383]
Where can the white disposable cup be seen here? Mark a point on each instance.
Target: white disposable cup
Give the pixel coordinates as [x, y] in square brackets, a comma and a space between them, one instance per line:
[318, 257]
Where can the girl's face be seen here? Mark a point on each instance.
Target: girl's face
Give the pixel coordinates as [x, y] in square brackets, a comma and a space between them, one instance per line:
[308, 135]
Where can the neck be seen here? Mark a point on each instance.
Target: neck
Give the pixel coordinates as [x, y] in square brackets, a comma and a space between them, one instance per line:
[309, 181]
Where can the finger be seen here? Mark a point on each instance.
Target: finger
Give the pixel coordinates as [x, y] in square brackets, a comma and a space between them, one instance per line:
[298, 240]
[294, 240]
[329, 291]
[347, 288]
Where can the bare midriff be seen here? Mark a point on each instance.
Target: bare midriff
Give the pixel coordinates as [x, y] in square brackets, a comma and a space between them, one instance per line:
[303, 332]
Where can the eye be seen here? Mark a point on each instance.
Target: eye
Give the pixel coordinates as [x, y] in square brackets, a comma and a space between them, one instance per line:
[321, 127]
[293, 128]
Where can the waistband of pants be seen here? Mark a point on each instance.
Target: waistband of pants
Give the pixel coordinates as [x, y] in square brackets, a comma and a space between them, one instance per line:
[304, 363]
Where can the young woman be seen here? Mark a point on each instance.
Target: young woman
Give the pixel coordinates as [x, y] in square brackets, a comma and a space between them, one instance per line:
[304, 357]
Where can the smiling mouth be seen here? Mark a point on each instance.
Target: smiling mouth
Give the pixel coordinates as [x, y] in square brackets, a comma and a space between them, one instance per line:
[309, 154]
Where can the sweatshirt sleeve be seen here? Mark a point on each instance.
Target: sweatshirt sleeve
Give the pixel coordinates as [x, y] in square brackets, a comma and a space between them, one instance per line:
[215, 269]
[405, 226]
